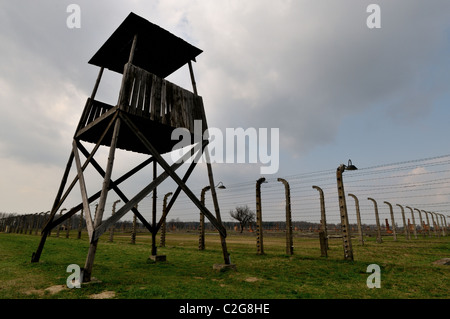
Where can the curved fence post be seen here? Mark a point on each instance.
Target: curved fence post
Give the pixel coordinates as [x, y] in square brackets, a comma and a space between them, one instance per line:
[201, 236]
[358, 218]
[377, 219]
[440, 227]
[406, 230]
[421, 222]
[435, 225]
[111, 229]
[346, 237]
[443, 224]
[445, 221]
[428, 223]
[59, 225]
[289, 240]
[413, 220]
[323, 218]
[392, 220]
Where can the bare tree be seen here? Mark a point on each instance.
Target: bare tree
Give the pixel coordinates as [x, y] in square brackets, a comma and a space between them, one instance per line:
[244, 215]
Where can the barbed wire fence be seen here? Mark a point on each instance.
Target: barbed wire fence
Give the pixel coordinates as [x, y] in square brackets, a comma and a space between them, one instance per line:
[417, 189]
[423, 184]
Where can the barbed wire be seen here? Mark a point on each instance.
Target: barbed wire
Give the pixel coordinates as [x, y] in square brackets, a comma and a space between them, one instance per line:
[427, 189]
[419, 183]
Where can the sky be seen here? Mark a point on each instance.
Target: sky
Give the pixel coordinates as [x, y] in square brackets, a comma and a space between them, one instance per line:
[333, 87]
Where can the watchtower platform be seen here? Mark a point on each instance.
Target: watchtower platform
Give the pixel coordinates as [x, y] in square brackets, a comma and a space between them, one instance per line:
[144, 54]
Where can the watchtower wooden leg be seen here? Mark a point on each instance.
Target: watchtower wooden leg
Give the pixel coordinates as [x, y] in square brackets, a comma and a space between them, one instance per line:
[84, 196]
[226, 255]
[154, 249]
[37, 255]
[60, 197]
[101, 205]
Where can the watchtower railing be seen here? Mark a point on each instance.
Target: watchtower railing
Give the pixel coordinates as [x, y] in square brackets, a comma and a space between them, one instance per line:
[146, 95]
[149, 96]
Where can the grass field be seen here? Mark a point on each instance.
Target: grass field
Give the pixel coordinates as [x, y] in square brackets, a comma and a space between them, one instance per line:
[122, 270]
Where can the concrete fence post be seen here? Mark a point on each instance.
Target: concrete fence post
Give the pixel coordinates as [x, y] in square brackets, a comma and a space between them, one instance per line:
[323, 244]
[201, 238]
[406, 230]
[38, 222]
[80, 224]
[162, 242]
[111, 229]
[59, 225]
[289, 239]
[34, 225]
[377, 219]
[435, 225]
[443, 224]
[392, 220]
[358, 219]
[68, 226]
[428, 223]
[133, 229]
[323, 217]
[421, 222]
[30, 219]
[259, 225]
[346, 237]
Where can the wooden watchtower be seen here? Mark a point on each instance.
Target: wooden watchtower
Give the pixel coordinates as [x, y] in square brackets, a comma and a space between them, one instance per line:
[149, 108]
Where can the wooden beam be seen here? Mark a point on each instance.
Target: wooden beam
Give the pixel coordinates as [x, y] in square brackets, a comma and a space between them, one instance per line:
[94, 92]
[136, 199]
[102, 201]
[226, 255]
[37, 254]
[178, 190]
[94, 197]
[210, 174]
[61, 189]
[173, 175]
[101, 118]
[133, 49]
[100, 229]
[118, 191]
[191, 72]
[87, 210]
[97, 83]
[108, 173]
[88, 158]
[80, 169]
[154, 212]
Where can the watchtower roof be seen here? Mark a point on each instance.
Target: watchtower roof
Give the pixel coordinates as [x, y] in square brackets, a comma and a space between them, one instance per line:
[157, 50]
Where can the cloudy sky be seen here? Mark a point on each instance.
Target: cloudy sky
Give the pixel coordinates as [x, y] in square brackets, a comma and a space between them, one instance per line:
[334, 88]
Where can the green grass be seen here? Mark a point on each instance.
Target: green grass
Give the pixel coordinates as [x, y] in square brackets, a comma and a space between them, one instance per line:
[407, 269]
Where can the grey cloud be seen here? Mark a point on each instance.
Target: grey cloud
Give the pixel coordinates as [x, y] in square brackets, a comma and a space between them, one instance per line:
[45, 75]
[305, 68]
[297, 65]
